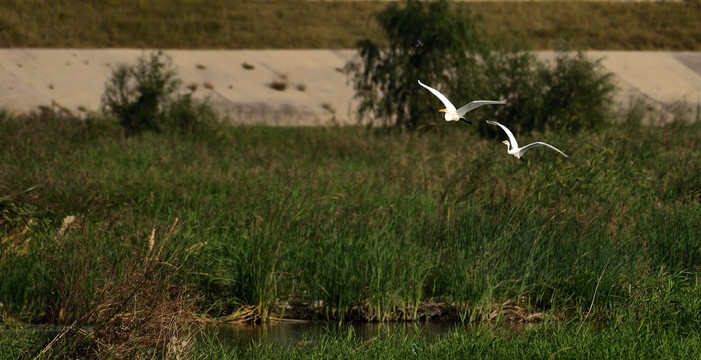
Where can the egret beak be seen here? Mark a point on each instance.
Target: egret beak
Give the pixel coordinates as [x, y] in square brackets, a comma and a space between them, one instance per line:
[503, 142]
[442, 110]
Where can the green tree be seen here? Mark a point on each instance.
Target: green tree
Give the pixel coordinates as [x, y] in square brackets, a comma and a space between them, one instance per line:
[439, 44]
[431, 42]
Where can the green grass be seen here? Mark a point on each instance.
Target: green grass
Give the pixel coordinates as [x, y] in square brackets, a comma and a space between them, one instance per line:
[217, 24]
[622, 340]
[372, 224]
[560, 341]
[377, 226]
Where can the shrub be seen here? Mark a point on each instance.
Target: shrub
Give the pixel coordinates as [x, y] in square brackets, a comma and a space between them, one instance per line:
[515, 76]
[136, 95]
[189, 115]
[572, 94]
[577, 93]
[143, 98]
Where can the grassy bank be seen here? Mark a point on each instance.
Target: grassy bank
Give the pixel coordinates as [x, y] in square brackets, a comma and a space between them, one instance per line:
[649, 339]
[216, 24]
[257, 223]
[652, 338]
[342, 223]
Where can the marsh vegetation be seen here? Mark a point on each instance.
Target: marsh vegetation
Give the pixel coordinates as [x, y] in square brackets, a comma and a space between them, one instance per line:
[133, 227]
[351, 223]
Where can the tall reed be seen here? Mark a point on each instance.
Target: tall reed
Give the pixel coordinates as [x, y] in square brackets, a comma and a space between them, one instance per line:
[350, 223]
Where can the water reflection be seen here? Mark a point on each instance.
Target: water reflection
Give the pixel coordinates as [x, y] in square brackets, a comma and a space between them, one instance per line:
[290, 333]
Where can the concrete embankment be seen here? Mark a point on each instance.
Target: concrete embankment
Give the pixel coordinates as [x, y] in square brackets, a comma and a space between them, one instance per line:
[317, 92]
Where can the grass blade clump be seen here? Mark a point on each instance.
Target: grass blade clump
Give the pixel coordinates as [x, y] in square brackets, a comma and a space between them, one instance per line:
[119, 305]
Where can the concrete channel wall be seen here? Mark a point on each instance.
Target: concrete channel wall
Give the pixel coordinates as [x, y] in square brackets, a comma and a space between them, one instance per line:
[238, 82]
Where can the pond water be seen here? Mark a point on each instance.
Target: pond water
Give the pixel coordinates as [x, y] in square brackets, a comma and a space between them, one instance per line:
[291, 333]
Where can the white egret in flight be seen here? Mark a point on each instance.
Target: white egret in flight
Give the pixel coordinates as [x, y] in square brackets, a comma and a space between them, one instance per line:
[512, 145]
[452, 114]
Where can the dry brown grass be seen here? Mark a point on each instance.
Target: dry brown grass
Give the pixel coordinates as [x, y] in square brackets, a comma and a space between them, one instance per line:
[141, 312]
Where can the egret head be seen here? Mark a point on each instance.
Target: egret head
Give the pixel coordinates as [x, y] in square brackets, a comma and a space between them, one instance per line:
[506, 142]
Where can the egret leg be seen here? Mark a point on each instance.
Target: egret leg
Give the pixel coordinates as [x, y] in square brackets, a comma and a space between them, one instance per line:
[465, 120]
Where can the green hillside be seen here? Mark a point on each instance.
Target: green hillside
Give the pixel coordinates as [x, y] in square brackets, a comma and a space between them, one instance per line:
[218, 24]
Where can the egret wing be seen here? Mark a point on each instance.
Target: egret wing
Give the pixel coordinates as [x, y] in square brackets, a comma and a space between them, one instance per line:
[446, 102]
[477, 103]
[538, 143]
[512, 139]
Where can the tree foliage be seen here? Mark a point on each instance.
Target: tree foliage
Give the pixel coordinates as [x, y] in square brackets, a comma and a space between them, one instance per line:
[440, 45]
[427, 42]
